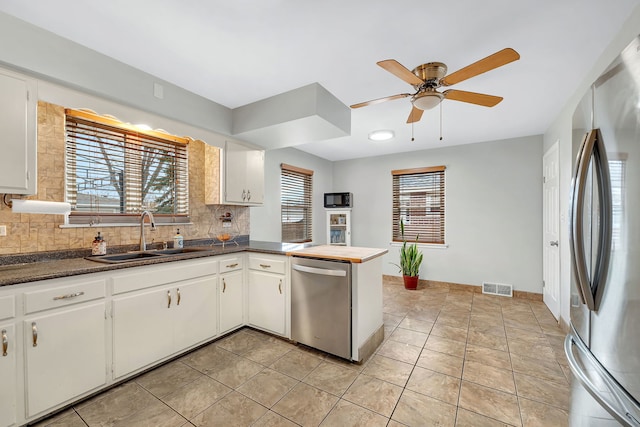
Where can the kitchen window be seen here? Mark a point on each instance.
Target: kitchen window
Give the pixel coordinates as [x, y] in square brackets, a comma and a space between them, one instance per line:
[418, 201]
[114, 171]
[295, 203]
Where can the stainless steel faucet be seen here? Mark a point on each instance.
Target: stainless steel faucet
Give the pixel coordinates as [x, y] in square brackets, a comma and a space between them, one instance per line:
[143, 244]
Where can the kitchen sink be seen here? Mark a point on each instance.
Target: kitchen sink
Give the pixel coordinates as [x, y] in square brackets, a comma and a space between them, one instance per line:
[128, 257]
[137, 256]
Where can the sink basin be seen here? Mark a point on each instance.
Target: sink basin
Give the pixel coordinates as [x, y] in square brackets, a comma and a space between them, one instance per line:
[137, 256]
[128, 257]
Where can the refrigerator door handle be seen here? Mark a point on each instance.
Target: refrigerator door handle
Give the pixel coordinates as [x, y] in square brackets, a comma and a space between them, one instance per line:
[622, 407]
[576, 231]
[606, 216]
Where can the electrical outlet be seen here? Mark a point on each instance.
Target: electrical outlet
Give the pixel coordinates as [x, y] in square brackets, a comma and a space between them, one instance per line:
[3, 230]
[226, 225]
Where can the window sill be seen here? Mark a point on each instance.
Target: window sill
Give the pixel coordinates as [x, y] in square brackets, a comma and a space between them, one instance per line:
[423, 245]
[124, 224]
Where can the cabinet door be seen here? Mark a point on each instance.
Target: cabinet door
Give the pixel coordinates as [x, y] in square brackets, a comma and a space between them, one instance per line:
[8, 375]
[235, 172]
[194, 315]
[18, 130]
[142, 329]
[65, 355]
[231, 301]
[267, 301]
[255, 176]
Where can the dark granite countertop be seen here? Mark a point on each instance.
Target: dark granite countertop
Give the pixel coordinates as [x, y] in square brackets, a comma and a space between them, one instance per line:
[50, 266]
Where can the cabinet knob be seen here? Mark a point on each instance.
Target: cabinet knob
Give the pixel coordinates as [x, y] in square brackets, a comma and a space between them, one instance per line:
[168, 299]
[224, 285]
[179, 297]
[248, 194]
[5, 342]
[34, 333]
[265, 266]
[68, 296]
[244, 195]
[280, 287]
[235, 264]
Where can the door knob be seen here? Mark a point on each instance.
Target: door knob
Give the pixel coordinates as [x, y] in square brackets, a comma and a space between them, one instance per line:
[554, 243]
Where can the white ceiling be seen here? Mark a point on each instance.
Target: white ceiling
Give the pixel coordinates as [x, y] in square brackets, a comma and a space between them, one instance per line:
[241, 51]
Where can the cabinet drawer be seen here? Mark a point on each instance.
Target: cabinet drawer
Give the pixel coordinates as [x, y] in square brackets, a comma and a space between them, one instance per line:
[271, 265]
[7, 307]
[61, 296]
[231, 264]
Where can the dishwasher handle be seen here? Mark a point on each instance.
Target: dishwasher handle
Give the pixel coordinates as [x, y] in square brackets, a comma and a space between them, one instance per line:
[321, 271]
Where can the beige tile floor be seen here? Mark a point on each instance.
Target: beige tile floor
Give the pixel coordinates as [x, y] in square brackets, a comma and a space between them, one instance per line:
[450, 358]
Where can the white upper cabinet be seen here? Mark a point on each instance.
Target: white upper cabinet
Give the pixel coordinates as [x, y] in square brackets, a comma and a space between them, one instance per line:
[243, 175]
[18, 120]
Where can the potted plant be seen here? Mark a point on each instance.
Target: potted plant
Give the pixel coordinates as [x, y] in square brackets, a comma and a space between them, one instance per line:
[410, 260]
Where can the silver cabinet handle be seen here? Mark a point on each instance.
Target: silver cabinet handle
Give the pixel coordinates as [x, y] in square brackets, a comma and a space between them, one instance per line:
[34, 333]
[235, 264]
[224, 286]
[265, 265]
[5, 342]
[280, 287]
[179, 296]
[244, 195]
[168, 299]
[248, 194]
[553, 243]
[68, 296]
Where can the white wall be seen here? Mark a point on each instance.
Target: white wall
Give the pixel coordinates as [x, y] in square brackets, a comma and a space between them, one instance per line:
[493, 210]
[265, 220]
[560, 130]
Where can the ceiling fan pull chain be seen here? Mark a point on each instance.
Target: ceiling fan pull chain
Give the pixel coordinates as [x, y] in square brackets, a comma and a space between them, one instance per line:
[441, 121]
[412, 138]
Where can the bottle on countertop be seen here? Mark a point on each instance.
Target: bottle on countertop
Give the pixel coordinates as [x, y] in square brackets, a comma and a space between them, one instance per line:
[99, 245]
[178, 240]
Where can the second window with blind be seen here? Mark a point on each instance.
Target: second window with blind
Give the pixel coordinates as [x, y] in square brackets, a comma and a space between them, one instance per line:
[296, 189]
[418, 201]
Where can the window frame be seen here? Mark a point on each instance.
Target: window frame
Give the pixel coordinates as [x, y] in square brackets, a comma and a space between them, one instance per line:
[429, 227]
[134, 140]
[288, 189]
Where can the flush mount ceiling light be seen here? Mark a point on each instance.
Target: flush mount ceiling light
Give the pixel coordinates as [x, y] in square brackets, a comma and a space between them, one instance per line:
[381, 135]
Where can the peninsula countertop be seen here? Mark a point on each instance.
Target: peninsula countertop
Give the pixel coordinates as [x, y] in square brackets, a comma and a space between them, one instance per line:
[352, 254]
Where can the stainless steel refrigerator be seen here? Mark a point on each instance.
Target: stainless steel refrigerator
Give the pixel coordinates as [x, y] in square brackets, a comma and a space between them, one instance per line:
[603, 347]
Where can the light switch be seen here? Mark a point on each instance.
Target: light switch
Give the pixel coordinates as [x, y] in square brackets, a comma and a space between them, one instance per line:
[3, 230]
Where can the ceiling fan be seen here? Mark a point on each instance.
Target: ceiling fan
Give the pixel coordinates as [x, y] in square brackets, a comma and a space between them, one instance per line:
[427, 78]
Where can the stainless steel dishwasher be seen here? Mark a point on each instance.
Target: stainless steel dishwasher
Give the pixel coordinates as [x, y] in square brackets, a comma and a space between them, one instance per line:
[321, 304]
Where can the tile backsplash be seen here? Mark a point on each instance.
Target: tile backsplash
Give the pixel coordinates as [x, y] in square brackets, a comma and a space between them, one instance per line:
[37, 232]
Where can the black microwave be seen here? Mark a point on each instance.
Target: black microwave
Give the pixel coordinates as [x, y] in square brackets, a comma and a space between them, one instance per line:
[338, 200]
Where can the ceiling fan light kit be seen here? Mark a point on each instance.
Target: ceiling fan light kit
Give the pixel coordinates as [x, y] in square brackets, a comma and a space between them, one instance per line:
[427, 78]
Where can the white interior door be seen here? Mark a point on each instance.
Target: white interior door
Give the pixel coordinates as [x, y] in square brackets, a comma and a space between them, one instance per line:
[550, 225]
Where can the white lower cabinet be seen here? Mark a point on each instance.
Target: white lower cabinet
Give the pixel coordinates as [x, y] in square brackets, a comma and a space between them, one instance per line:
[65, 355]
[8, 374]
[267, 293]
[231, 300]
[156, 323]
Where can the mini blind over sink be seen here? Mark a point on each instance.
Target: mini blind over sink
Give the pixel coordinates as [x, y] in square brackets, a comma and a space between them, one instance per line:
[115, 171]
[418, 200]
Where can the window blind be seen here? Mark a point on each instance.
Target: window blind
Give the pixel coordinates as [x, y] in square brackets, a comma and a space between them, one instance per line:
[418, 200]
[114, 172]
[296, 203]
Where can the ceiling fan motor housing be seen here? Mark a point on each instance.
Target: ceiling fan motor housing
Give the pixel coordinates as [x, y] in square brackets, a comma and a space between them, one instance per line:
[430, 73]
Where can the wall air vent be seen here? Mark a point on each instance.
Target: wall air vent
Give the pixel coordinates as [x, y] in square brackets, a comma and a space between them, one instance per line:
[500, 289]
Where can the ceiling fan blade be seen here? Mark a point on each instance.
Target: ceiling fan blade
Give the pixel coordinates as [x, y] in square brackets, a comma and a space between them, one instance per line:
[489, 63]
[399, 70]
[472, 97]
[415, 115]
[379, 100]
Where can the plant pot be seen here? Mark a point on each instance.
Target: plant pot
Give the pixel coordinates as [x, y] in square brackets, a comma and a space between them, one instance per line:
[410, 282]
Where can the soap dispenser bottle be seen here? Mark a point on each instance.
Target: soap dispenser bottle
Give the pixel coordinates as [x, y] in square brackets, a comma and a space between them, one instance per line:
[178, 240]
[99, 245]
